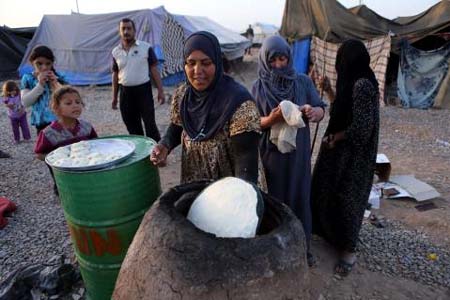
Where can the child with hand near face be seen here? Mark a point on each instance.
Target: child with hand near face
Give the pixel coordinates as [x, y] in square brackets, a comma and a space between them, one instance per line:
[37, 86]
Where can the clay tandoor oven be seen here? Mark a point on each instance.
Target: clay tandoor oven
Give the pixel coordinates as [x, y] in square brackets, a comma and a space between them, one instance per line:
[170, 258]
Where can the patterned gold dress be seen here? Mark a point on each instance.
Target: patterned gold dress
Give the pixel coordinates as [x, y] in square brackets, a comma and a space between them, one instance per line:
[213, 158]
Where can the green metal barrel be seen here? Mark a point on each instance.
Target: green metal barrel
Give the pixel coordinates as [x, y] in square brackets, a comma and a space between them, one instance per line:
[103, 209]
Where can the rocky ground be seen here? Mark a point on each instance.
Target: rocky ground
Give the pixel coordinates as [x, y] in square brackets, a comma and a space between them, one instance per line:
[407, 258]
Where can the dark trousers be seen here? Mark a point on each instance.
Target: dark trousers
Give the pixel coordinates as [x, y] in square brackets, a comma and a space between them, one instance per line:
[20, 124]
[136, 104]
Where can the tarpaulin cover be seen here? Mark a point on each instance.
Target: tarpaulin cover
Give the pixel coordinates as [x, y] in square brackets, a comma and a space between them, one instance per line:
[12, 49]
[374, 18]
[325, 53]
[304, 18]
[53, 279]
[443, 96]
[421, 74]
[300, 52]
[25, 32]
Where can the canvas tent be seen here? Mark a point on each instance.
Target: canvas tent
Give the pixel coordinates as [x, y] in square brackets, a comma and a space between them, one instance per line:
[432, 21]
[25, 32]
[306, 18]
[327, 20]
[373, 18]
[12, 48]
[423, 50]
[303, 19]
[82, 43]
[232, 44]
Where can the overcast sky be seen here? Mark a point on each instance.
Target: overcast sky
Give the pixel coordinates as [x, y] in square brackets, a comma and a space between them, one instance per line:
[234, 14]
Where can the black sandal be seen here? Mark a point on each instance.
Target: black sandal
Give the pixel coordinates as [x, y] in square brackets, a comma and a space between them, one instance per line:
[311, 260]
[343, 268]
[4, 154]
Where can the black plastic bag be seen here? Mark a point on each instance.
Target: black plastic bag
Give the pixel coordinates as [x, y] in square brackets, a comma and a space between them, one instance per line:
[52, 278]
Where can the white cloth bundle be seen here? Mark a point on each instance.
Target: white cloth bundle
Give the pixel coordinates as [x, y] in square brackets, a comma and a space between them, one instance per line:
[283, 134]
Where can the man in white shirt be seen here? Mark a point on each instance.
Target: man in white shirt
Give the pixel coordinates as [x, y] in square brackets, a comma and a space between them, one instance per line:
[133, 63]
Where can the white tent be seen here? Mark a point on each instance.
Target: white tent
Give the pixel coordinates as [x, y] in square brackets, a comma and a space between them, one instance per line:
[262, 31]
[82, 43]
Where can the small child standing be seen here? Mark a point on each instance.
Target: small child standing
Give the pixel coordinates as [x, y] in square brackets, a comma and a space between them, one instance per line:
[16, 111]
[67, 105]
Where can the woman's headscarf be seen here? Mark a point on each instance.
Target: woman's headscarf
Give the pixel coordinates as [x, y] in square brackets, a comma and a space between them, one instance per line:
[274, 85]
[352, 63]
[204, 113]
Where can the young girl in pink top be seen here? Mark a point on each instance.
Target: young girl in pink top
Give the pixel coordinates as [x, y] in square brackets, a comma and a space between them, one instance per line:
[68, 129]
[67, 105]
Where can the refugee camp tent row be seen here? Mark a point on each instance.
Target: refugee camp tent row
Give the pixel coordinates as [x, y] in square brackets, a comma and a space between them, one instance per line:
[427, 33]
[82, 43]
[13, 44]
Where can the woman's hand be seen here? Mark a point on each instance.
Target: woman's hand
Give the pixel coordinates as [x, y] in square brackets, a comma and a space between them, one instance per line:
[329, 142]
[274, 117]
[159, 155]
[313, 114]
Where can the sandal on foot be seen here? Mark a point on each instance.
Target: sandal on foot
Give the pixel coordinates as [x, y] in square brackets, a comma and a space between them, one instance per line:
[343, 268]
[311, 260]
[4, 154]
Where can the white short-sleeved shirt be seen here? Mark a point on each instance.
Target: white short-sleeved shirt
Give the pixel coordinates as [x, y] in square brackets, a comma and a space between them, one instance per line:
[133, 66]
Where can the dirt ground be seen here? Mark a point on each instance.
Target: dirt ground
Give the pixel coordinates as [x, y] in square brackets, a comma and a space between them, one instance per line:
[410, 139]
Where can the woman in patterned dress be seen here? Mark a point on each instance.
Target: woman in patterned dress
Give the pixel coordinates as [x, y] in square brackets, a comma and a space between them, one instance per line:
[343, 173]
[213, 117]
[288, 175]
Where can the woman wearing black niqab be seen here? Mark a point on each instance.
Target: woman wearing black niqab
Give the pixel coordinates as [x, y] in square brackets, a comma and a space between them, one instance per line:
[344, 170]
[213, 117]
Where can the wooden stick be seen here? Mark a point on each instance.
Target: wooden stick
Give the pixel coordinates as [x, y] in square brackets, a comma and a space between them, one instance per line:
[321, 89]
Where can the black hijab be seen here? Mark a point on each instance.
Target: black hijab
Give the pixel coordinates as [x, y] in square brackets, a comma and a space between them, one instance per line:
[204, 113]
[352, 63]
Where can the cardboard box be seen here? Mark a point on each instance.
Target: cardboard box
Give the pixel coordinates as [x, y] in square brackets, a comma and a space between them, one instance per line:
[418, 190]
[383, 167]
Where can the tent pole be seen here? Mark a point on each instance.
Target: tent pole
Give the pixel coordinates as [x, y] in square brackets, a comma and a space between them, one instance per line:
[321, 89]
